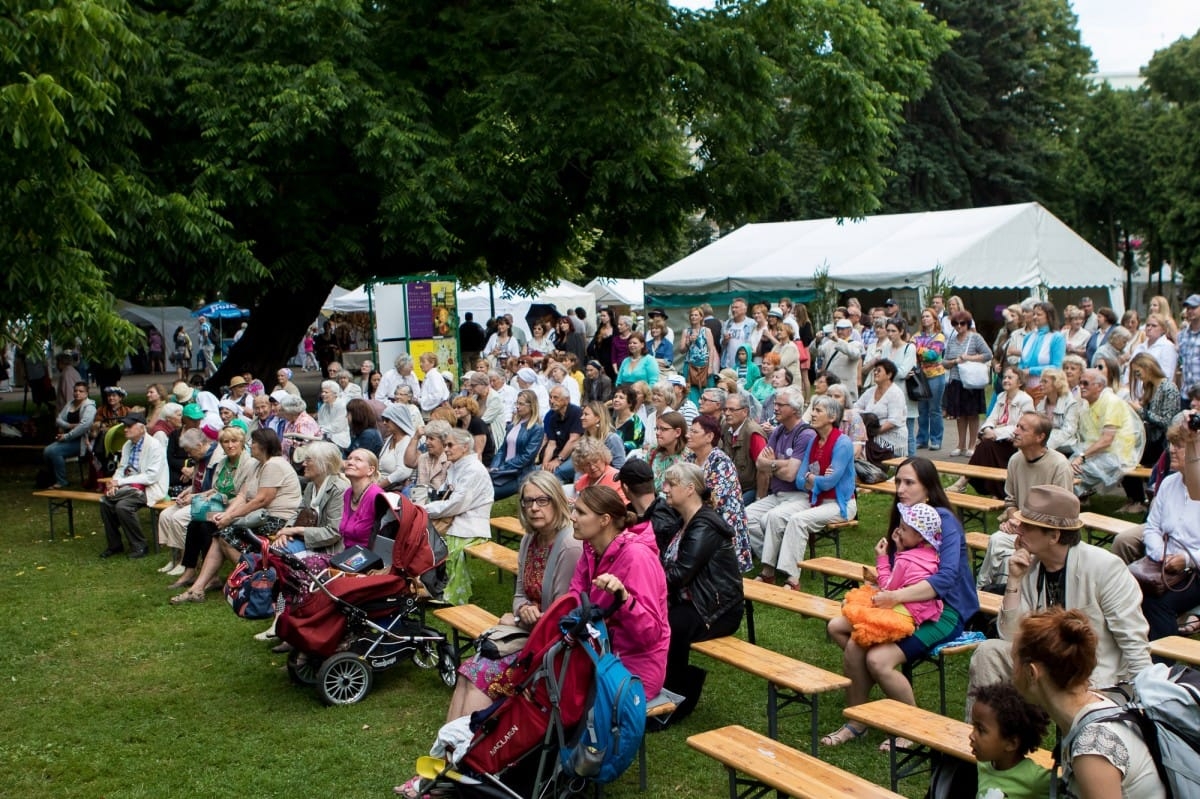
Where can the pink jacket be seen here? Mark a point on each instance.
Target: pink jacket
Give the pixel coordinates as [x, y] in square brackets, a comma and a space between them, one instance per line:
[912, 566]
[639, 629]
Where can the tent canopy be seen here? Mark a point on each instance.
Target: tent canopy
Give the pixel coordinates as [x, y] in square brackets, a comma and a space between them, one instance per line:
[1008, 246]
[342, 300]
[618, 291]
[166, 318]
[564, 296]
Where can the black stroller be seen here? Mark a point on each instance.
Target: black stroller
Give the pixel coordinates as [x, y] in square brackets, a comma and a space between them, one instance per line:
[346, 626]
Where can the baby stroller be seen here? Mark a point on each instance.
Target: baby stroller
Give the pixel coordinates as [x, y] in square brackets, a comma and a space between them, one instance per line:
[345, 627]
[530, 743]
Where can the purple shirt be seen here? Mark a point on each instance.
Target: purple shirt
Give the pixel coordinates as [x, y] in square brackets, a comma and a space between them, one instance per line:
[791, 445]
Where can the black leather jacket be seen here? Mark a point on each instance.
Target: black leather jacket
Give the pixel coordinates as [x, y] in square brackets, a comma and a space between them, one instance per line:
[705, 567]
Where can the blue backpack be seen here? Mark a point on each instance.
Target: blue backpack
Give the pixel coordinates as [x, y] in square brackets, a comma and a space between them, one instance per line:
[610, 732]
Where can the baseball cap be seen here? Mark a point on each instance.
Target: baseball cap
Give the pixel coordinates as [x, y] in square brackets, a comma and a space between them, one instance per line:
[636, 471]
[1193, 301]
[842, 324]
[193, 411]
[676, 380]
[827, 329]
[133, 418]
[778, 314]
[891, 301]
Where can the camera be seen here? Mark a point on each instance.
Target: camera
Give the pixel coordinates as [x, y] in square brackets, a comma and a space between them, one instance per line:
[436, 494]
[1193, 421]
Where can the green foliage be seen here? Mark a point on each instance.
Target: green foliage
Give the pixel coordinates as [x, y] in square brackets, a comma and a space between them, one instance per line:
[990, 130]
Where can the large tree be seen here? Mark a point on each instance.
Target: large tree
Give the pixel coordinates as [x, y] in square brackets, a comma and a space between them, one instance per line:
[279, 147]
[991, 128]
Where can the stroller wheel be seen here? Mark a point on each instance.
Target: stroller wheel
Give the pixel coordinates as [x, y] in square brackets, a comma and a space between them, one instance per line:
[447, 664]
[425, 656]
[343, 679]
[303, 668]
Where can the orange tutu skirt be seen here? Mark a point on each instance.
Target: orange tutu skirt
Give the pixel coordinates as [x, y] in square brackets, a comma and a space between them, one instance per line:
[874, 625]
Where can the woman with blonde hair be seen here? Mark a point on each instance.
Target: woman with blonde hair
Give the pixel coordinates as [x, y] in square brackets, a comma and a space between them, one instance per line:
[594, 419]
[1062, 408]
[1161, 306]
[517, 454]
[1157, 405]
[700, 353]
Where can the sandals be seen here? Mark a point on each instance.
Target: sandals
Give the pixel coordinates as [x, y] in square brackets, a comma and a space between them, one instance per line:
[190, 595]
[843, 734]
[1190, 626]
[790, 586]
[901, 743]
[175, 586]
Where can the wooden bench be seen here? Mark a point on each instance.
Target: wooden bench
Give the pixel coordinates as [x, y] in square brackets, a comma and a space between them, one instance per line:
[933, 734]
[959, 469]
[971, 507]
[772, 766]
[1101, 529]
[469, 621]
[977, 544]
[779, 597]
[1177, 647]
[789, 681]
[832, 531]
[508, 529]
[65, 498]
[503, 558]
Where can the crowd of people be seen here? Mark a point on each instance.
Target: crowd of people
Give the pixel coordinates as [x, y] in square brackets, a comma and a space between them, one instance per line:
[661, 469]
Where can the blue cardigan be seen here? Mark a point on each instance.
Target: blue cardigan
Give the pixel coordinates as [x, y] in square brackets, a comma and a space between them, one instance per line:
[842, 479]
[529, 441]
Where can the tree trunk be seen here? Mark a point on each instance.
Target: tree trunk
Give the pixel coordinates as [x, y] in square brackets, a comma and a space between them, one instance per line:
[277, 325]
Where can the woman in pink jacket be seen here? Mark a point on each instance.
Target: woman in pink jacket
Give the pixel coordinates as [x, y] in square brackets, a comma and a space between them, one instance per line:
[624, 562]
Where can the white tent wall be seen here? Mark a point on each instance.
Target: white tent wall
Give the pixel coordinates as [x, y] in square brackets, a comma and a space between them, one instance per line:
[166, 318]
[628, 292]
[1013, 247]
[564, 296]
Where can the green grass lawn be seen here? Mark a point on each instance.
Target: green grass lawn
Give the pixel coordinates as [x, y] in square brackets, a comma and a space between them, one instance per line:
[108, 691]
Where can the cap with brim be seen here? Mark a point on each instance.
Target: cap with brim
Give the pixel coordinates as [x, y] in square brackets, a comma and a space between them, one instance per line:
[279, 395]
[827, 329]
[1050, 506]
[241, 424]
[636, 471]
[527, 375]
[658, 312]
[891, 301]
[237, 380]
[399, 416]
[193, 411]
[677, 380]
[133, 418]
[842, 324]
[775, 312]
[1193, 301]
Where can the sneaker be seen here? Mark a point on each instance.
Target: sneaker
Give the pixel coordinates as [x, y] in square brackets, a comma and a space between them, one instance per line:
[166, 567]
[954, 453]
[934, 447]
[176, 570]
[968, 453]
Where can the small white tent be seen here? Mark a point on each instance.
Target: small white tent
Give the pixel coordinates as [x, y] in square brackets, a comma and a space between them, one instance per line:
[564, 296]
[166, 318]
[618, 291]
[1009, 246]
[342, 300]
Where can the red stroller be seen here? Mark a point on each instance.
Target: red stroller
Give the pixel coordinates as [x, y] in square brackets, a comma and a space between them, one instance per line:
[345, 626]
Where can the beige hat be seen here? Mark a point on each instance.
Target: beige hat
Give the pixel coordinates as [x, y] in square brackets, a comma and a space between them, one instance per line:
[1050, 506]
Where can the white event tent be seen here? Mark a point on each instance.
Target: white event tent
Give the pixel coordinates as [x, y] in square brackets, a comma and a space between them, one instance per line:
[1022, 247]
[618, 291]
[564, 296]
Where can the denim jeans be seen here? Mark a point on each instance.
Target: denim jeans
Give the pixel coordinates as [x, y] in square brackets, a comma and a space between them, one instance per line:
[929, 414]
[912, 435]
[55, 456]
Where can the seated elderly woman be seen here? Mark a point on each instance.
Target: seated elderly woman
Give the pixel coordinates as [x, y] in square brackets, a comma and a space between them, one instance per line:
[463, 513]
[173, 522]
[430, 473]
[704, 581]
[545, 565]
[266, 502]
[1172, 542]
[317, 528]
[401, 448]
[331, 414]
[298, 424]
[593, 465]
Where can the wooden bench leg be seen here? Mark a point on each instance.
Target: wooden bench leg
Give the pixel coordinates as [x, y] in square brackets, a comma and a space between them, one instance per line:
[937, 664]
[53, 506]
[904, 763]
[778, 699]
[749, 621]
[835, 587]
[747, 787]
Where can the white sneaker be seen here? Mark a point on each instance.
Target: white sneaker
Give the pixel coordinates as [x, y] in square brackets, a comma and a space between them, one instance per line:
[954, 453]
[968, 453]
[267, 634]
[166, 569]
[176, 570]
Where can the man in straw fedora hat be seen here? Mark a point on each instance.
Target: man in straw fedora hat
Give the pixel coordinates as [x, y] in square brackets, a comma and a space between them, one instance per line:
[1053, 567]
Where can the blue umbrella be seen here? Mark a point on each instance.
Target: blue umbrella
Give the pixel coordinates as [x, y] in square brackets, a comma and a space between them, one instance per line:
[221, 310]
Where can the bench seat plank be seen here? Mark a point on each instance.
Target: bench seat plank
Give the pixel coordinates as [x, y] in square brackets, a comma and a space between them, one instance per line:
[1177, 647]
[781, 767]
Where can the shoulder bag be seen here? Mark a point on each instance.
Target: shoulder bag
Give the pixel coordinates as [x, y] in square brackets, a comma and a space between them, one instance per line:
[1155, 580]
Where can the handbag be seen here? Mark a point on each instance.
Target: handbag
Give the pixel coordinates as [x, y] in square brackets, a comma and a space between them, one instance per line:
[260, 522]
[1155, 580]
[307, 517]
[973, 374]
[250, 588]
[501, 640]
[867, 472]
[916, 385]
